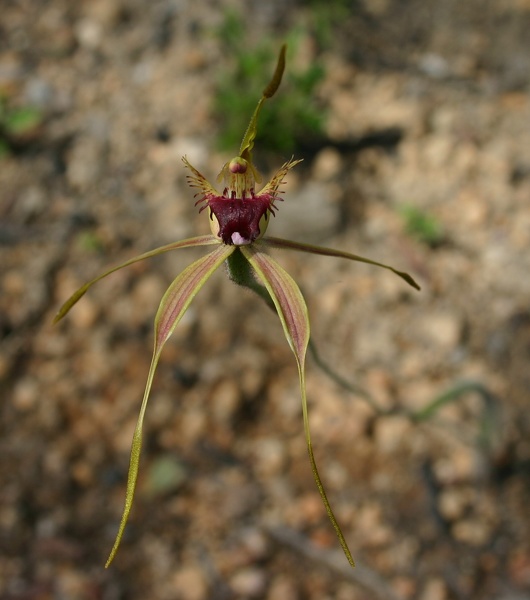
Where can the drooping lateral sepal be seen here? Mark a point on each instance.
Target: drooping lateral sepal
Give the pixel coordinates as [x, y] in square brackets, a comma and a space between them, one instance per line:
[292, 310]
[174, 304]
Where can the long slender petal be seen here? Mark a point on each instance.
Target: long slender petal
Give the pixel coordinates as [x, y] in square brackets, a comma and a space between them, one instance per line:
[203, 240]
[292, 310]
[274, 242]
[174, 304]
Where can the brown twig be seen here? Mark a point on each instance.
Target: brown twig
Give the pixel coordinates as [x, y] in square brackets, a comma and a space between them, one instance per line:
[361, 575]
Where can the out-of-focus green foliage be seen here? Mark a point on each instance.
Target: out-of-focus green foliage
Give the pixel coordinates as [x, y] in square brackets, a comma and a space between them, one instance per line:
[294, 116]
[422, 226]
[16, 123]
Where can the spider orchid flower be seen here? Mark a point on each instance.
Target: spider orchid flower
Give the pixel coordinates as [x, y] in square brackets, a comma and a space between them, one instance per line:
[238, 216]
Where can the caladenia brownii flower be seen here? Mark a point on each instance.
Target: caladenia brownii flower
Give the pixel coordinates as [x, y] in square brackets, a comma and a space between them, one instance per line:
[238, 215]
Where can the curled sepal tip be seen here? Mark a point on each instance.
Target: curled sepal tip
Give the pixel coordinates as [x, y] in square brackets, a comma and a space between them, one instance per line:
[245, 151]
[274, 83]
[174, 304]
[292, 310]
[289, 245]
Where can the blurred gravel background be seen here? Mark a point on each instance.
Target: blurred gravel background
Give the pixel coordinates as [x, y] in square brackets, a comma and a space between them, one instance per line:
[423, 162]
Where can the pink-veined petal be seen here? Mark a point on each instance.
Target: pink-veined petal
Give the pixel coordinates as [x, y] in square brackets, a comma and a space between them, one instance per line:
[174, 304]
[203, 240]
[274, 242]
[292, 310]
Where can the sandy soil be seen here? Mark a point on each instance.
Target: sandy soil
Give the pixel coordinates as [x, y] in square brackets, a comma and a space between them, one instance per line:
[428, 107]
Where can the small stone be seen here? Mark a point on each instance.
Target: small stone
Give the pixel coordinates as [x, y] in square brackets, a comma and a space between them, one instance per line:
[148, 292]
[189, 584]
[270, 455]
[284, 588]
[519, 567]
[472, 531]
[89, 33]
[372, 531]
[249, 583]
[84, 163]
[460, 465]
[391, 433]
[30, 204]
[380, 384]
[435, 589]
[226, 401]
[85, 314]
[452, 503]
[71, 583]
[305, 510]
[83, 473]
[405, 587]
[38, 92]
[256, 543]
[443, 329]
[13, 283]
[25, 394]
[327, 164]
[193, 423]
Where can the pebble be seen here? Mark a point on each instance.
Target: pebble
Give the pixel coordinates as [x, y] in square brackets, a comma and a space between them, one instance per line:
[405, 587]
[189, 583]
[475, 532]
[30, 204]
[434, 65]
[84, 164]
[85, 315]
[25, 394]
[371, 529]
[441, 329]
[226, 401]
[72, 583]
[452, 502]
[89, 33]
[39, 93]
[146, 296]
[460, 465]
[249, 583]
[391, 433]
[283, 588]
[11, 71]
[256, 543]
[327, 164]
[270, 456]
[194, 422]
[435, 589]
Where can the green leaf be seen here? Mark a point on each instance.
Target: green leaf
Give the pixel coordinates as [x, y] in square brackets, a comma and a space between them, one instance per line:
[289, 245]
[174, 304]
[292, 310]
[203, 240]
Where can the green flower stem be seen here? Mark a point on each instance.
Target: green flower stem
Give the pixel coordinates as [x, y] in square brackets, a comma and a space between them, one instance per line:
[240, 272]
